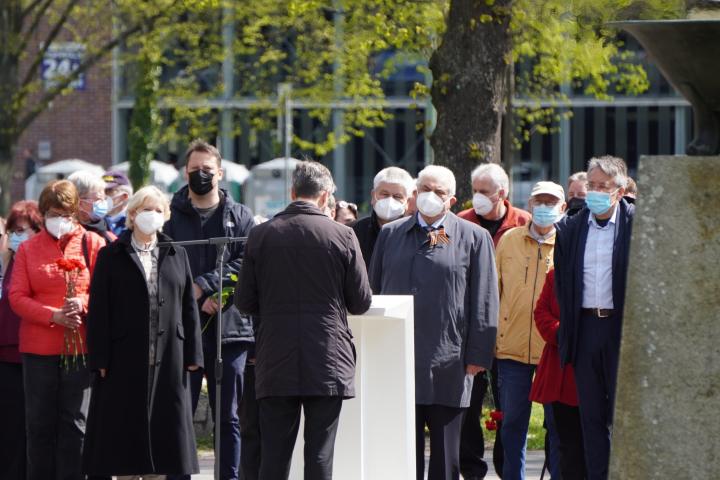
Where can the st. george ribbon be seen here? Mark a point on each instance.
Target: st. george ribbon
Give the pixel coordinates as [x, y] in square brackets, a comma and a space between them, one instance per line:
[221, 244]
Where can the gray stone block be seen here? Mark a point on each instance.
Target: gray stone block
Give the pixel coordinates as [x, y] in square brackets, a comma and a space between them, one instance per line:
[667, 418]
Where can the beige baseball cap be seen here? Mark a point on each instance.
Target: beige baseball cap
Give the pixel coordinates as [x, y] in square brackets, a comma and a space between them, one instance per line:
[551, 188]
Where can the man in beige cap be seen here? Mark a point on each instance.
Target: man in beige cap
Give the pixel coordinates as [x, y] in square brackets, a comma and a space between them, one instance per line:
[524, 257]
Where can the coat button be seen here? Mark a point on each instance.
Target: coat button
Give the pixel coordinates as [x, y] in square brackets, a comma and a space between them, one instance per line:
[413, 290]
[160, 332]
[162, 302]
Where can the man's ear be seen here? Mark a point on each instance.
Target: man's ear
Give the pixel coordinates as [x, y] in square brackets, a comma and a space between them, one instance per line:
[453, 201]
[502, 194]
[221, 173]
[563, 207]
[323, 200]
[293, 195]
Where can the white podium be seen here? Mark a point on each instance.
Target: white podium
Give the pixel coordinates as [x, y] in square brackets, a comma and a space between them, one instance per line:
[376, 435]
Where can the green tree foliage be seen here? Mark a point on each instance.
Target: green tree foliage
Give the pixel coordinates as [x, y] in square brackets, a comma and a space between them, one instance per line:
[328, 50]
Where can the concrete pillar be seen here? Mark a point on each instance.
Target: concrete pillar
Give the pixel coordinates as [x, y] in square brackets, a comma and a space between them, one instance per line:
[666, 414]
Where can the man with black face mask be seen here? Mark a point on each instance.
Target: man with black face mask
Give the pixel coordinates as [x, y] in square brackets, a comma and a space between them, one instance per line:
[577, 191]
[203, 210]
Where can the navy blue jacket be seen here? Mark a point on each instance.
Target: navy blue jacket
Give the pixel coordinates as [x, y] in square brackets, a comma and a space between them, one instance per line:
[572, 233]
[231, 219]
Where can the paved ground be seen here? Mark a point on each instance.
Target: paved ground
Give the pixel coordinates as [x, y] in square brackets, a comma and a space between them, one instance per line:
[533, 467]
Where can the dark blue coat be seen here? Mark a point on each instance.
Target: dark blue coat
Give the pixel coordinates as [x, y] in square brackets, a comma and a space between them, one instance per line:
[572, 233]
[230, 220]
[455, 292]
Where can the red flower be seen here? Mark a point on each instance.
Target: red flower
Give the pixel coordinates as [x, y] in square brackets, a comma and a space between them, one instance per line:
[490, 425]
[69, 264]
[496, 415]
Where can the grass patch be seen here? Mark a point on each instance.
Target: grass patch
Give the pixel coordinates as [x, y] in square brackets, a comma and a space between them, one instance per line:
[205, 444]
[536, 432]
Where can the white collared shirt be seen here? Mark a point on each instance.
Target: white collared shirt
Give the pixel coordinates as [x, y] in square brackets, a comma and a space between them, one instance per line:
[597, 268]
[436, 224]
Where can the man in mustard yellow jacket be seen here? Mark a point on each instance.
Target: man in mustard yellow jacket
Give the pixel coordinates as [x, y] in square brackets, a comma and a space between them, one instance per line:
[524, 256]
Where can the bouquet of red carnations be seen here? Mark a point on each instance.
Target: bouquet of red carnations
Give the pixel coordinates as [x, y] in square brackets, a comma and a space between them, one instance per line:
[71, 268]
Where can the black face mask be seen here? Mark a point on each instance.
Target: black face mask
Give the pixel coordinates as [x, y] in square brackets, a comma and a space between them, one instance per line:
[574, 205]
[200, 182]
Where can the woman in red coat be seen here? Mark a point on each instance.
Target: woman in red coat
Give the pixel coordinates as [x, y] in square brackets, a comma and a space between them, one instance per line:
[556, 385]
[49, 292]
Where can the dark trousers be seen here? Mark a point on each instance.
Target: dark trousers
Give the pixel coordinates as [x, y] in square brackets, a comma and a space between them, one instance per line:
[232, 384]
[249, 428]
[12, 422]
[569, 430]
[596, 363]
[445, 424]
[279, 424]
[472, 442]
[56, 406]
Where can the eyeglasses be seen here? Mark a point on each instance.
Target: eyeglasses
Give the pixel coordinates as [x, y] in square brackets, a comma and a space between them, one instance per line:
[344, 204]
[52, 214]
[601, 187]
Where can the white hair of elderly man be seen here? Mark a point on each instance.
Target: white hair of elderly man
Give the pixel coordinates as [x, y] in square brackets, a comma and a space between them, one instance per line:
[441, 174]
[395, 176]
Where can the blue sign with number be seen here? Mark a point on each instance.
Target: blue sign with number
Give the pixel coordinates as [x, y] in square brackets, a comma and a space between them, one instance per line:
[62, 60]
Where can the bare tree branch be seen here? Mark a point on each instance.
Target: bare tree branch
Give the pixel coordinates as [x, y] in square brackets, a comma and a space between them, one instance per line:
[32, 71]
[87, 63]
[31, 7]
[35, 23]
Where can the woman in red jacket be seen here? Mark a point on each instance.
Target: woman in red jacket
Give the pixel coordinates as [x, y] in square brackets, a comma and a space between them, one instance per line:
[556, 385]
[52, 333]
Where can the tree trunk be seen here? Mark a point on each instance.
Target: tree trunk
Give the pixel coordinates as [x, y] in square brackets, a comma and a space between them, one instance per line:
[469, 87]
[142, 135]
[10, 26]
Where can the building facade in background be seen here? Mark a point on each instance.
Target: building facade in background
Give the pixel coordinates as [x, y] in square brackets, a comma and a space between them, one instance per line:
[91, 123]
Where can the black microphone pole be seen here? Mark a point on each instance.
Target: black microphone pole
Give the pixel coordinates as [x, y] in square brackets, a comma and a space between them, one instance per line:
[221, 244]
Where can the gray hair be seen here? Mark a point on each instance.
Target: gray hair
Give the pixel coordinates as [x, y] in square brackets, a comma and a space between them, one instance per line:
[496, 173]
[577, 177]
[310, 179]
[86, 182]
[612, 167]
[137, 201]
[439, 173]
[395, 176]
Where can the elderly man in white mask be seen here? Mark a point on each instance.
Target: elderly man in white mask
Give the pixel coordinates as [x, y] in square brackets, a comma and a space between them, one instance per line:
[392, 187]
[448, 266]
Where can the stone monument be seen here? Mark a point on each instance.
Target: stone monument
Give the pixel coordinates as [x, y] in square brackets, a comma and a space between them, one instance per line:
[667, 412]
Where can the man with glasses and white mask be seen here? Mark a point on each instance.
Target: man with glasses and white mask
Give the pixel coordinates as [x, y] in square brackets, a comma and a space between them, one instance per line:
[591, 261]
[392, 186]
[448, 266]
[493, 211]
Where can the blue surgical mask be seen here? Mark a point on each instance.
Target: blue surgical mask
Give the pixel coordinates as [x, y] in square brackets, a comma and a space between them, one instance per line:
[100, 208]
[545, 215]
[598, 202]
[16, 239]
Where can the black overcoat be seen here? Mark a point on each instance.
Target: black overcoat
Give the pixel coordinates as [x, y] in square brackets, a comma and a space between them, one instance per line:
[302, 274]
[127, 434]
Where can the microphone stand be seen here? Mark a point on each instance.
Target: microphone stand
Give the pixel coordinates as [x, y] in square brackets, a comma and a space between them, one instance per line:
[221, 244]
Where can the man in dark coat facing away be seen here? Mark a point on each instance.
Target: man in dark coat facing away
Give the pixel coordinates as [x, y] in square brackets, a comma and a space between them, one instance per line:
[302, 273]
[448, 266]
